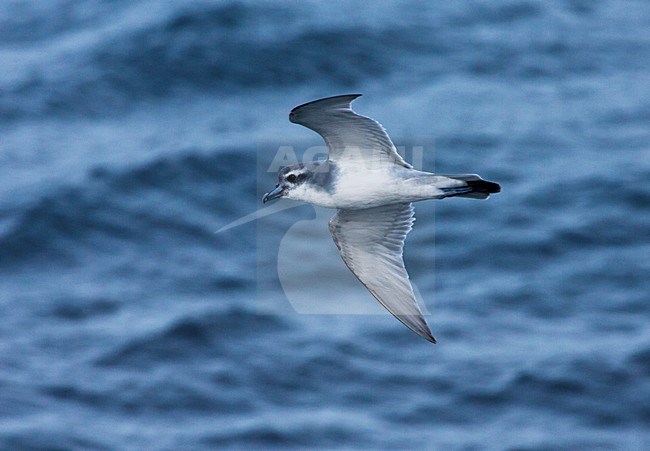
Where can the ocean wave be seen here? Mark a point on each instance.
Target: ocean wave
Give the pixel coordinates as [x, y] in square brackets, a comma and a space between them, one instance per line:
[175, 196]
[209, 49]
[564, 386]
[204, 337]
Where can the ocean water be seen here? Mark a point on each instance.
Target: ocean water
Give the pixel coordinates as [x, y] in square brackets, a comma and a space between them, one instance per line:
[131, 131]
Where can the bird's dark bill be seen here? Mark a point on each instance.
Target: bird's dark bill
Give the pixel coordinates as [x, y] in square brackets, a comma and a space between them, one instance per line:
[277, 192]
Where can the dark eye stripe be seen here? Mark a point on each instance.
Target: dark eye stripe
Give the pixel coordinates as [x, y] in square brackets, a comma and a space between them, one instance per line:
[291, 178]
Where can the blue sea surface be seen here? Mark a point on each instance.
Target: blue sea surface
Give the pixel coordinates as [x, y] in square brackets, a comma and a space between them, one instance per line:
[131, 131]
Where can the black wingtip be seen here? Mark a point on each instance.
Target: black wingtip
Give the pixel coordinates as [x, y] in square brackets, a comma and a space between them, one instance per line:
[427, 335]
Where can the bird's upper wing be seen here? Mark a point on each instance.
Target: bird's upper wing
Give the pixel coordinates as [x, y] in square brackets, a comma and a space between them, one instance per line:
[351, 138]
[371, 243]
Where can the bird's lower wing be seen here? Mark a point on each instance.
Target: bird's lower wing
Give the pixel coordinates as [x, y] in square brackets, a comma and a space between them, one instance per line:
[371, 242]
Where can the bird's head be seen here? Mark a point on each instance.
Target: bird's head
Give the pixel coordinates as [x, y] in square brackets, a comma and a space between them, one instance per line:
[290, 181]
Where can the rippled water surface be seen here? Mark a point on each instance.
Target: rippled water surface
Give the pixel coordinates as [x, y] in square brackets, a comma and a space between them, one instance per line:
[131, 131]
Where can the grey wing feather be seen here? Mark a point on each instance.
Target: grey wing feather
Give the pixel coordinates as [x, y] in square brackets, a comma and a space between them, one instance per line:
[371, 243]
[350, 137]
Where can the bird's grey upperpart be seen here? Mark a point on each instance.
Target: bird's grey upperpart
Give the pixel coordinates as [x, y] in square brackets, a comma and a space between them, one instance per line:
[372, 187]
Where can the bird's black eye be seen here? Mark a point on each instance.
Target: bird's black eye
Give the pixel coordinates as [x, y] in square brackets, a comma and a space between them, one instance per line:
[291, 178]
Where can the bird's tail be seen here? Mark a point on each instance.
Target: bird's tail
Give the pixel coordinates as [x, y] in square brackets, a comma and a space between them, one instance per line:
[476, 187]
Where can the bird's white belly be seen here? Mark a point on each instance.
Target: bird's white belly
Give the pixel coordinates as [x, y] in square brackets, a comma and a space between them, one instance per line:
[367, 190]
[360, 192]
[355, 190]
